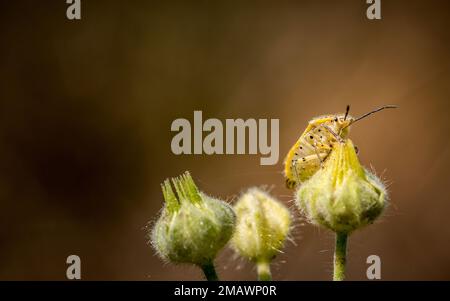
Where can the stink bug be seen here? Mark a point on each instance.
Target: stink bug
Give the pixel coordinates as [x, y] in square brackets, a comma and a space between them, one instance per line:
[316, 143]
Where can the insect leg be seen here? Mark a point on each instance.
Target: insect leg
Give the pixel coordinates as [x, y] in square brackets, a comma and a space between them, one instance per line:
[338, 138]
[294, 166]
[318, 156]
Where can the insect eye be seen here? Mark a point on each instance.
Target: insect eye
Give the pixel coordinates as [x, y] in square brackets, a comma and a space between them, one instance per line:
[335, 119]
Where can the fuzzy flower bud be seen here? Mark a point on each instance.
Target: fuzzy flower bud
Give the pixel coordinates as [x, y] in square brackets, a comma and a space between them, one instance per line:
[342, 196]
[262, 225]
[193, 227]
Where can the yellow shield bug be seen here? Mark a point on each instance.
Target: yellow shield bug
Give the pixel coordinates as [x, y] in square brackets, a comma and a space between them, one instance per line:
[316, 143]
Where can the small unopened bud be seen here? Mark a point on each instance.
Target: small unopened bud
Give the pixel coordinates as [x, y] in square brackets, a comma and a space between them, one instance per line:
[193, 227]
[342, 196]
[262, 225]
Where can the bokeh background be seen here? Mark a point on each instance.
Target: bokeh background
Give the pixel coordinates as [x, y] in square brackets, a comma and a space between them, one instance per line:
[86, 108]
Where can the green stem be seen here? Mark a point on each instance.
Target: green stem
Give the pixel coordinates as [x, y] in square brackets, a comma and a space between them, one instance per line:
[340, 254]
[263, 269]
[210, 271]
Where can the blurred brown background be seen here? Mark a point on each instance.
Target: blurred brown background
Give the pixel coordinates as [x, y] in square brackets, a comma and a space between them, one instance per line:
[86, 108]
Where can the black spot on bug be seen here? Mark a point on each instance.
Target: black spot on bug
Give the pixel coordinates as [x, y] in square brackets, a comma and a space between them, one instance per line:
[303, 159]
[311, 137]
[320, 130]
[301, 147]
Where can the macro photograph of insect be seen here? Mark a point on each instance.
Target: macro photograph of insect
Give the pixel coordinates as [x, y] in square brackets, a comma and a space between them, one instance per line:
[316, 143]
[234, 141]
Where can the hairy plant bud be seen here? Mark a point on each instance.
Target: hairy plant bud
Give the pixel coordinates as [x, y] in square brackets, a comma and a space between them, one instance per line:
[342, 196]
[262, 225]
[193, 227]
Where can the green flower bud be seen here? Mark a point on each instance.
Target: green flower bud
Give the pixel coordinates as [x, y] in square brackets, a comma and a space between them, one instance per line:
[193, 227]
[342, 196]
[262, 225]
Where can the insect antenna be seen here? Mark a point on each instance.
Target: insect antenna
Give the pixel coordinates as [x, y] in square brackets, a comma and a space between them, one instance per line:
[346, 111]
[371, 112]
